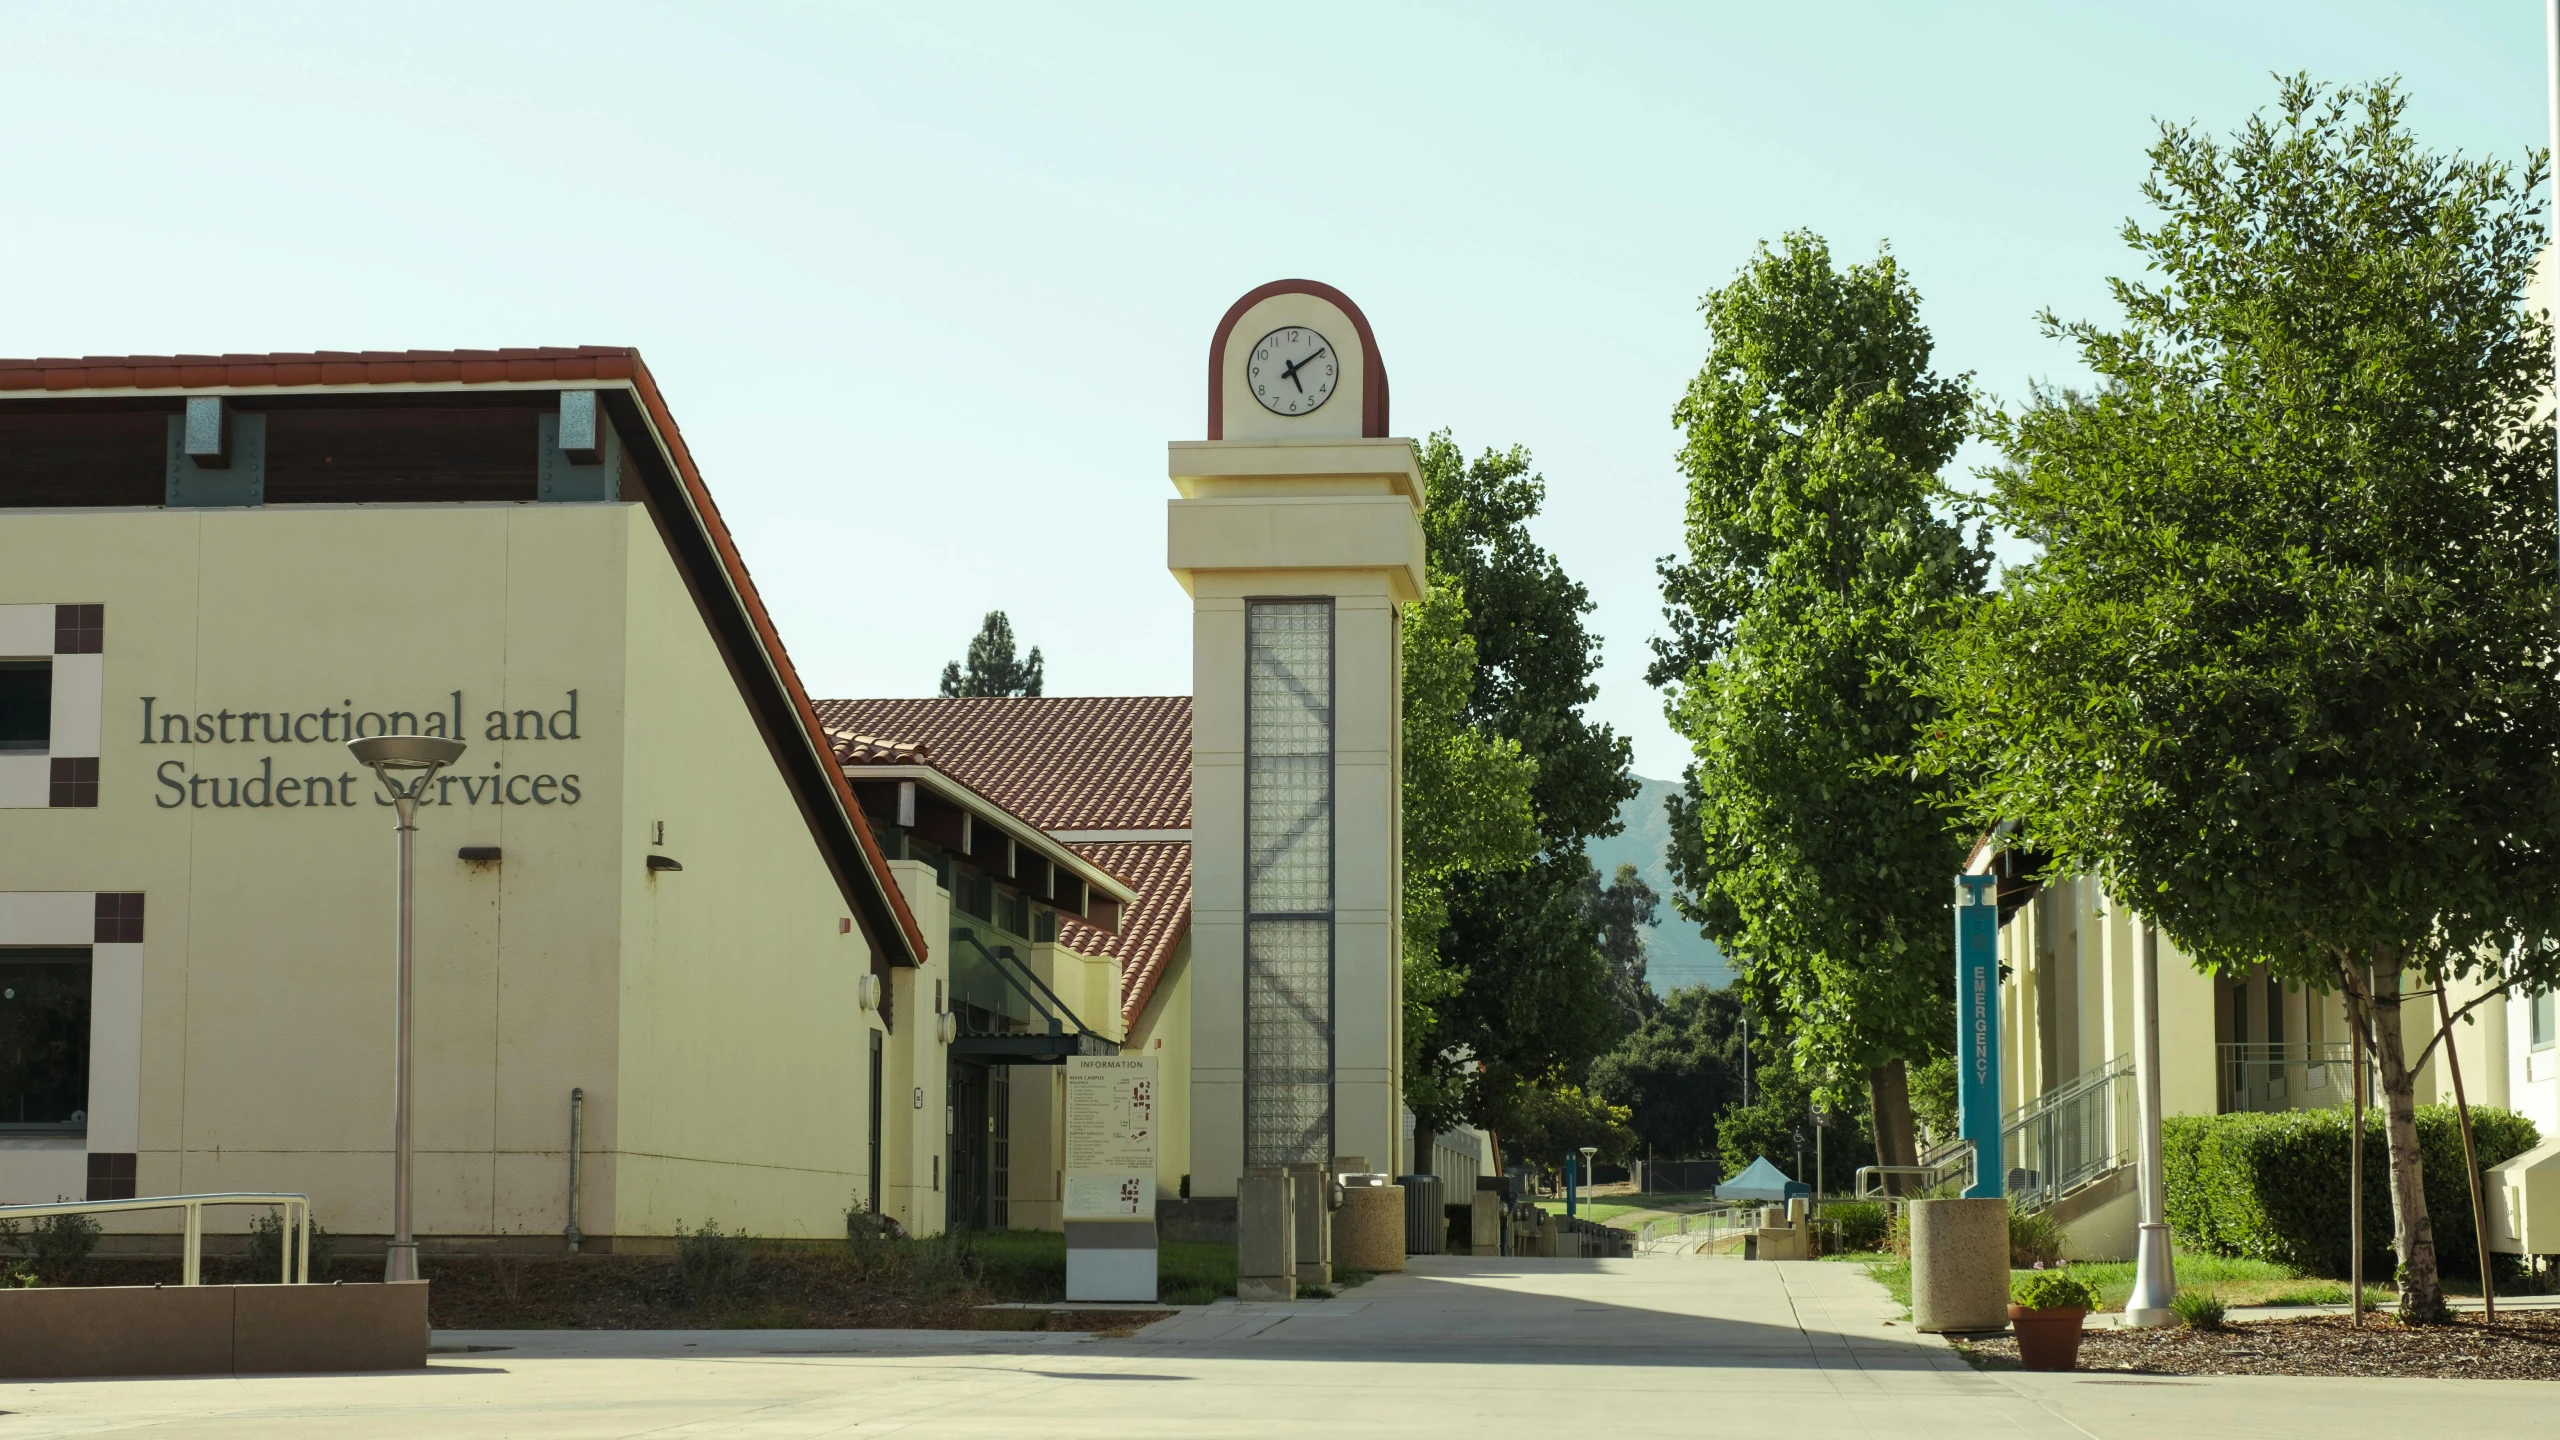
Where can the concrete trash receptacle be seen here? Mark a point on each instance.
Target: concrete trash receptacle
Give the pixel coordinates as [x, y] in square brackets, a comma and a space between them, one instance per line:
[1959, 1265]
[1368, 1231]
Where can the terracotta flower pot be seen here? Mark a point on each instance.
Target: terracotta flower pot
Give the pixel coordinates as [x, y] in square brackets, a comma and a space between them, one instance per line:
[2049, 1338]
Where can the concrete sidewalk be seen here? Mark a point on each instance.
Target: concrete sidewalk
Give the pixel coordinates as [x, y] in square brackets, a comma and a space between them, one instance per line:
[1638, 1347]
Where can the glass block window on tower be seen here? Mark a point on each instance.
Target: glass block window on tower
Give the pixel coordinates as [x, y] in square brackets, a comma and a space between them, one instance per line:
[1288, 1055]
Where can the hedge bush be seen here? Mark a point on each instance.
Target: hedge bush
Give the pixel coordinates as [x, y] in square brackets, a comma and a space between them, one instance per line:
[2274, 1186]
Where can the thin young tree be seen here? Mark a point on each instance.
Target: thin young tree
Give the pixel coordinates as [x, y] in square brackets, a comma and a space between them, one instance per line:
[2283, 676]
[1822, 560]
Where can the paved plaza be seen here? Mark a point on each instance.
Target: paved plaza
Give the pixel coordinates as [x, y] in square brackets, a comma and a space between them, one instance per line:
[1456, 1347]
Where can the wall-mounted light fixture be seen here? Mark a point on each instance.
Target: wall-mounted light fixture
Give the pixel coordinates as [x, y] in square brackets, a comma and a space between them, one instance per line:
[661, 864]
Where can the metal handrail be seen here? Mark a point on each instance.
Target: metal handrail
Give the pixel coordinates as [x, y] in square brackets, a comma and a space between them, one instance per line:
[1943, 1164]
[296, 1220]
[2069, 1135]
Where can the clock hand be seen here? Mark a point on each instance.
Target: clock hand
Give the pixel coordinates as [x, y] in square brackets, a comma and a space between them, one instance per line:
[1289, 372]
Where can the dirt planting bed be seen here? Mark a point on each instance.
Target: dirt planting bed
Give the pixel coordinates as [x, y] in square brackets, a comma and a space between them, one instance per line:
[2523, 1345]
[781, 1290]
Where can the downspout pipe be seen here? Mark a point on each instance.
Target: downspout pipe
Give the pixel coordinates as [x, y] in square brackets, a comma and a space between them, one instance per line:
[577, 1148]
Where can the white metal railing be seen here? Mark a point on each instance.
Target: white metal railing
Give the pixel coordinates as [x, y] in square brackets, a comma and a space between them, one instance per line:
[2289, 1075]
[2069, 1135]
[294, 1238]
[1947, 1163]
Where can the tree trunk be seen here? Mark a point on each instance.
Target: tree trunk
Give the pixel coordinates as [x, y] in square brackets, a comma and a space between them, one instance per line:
[1889, 1106]
[2421, 1287]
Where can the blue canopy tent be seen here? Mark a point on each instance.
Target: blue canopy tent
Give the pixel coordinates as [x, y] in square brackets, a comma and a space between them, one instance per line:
[1762, 1181]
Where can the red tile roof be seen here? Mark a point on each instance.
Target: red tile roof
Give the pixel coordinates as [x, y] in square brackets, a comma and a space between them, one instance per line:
[1070, 763]
[835, 820]
[1080, 762]
[529, 365]
[1160, 871]
[852, 749]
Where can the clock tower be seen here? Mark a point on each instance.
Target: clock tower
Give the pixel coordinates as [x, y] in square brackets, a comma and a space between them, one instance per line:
[1297, 533]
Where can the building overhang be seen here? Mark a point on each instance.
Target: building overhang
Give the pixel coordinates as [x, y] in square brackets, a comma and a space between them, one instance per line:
[992, 826]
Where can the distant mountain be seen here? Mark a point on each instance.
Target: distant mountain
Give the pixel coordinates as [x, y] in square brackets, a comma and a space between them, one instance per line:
[1675, 954]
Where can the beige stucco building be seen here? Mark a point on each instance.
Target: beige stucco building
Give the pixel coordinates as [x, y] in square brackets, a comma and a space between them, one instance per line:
[649, 884]
[2226, 1044]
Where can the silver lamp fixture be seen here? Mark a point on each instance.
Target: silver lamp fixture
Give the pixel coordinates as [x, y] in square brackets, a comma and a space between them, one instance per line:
[405, 764]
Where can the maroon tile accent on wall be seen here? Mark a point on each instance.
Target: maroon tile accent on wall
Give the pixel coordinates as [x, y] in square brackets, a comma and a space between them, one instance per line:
[119, 918]
[79, 629]
[75, 783]
[111, 1175]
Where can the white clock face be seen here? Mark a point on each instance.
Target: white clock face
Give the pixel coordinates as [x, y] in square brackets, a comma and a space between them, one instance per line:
[1292, 370]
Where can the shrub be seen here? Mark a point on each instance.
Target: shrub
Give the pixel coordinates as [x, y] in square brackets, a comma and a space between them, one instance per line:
[942, 1267]
[872, 1239]
[2198, 1309]
[2056, 1289]
[2274, 1186]
[266, 1247]
[1861, 1224]
[713, 1264]
[62, 1241]
[2035, 1237]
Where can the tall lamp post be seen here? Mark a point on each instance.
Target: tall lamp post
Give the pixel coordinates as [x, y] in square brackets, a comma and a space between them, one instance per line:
[1588, 1175]
[395, 759]
[2155, 1275]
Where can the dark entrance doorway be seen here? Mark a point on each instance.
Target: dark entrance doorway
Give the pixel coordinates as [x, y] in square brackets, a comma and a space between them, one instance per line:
[980, 1143]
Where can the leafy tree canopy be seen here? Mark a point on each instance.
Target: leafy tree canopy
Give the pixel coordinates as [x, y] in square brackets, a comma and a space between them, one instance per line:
[1466, 809]
[2283, 677]
[1819, 566]
[1621, 911]
[1540, 1124]
[992, 668]
[1677, 1071]
[1780, 1121]
[1528, 989]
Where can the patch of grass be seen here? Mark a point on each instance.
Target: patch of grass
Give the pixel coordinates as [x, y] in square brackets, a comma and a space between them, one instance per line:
[2232, 1280]
[1599, 1212]
[1031, 1265]
[2198, 1309]
[1893, 1272]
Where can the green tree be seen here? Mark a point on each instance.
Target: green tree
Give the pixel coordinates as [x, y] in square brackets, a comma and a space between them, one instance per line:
[1677, 1071]
[2283, 676]
[1540, 1124]
[1621, 911]
[1529, 1000]
[992, 668]
[1820, 564]
[1466, 810]
[1780, 1120]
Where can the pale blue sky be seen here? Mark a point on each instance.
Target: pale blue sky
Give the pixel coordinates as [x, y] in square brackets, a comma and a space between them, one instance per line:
[929, 287]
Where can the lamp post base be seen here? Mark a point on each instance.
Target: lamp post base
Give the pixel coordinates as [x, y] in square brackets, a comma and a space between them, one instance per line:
[2155, 1280]
[400, 1262]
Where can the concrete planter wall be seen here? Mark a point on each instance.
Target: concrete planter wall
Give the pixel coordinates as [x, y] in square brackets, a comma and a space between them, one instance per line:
[211, 1329]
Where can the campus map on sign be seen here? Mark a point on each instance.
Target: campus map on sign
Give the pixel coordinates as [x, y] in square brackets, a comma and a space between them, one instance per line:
[1111, 1137]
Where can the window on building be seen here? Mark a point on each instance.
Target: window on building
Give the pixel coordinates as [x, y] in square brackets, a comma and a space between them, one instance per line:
[2540, 1017]
[26, 705]
[44, 1041]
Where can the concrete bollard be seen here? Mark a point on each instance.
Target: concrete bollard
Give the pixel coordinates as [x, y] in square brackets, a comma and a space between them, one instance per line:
[1484, 1223]
[1311, 1212]
[1266, 1236]
[1959, 1265]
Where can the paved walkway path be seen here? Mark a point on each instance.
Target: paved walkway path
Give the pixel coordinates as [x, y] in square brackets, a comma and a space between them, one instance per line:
[1457, 1347]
